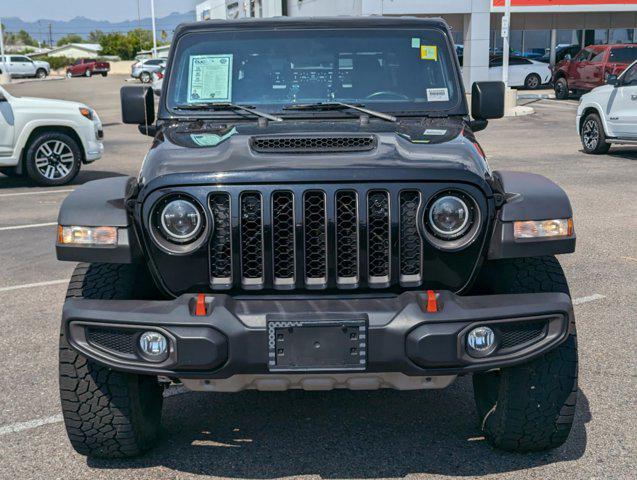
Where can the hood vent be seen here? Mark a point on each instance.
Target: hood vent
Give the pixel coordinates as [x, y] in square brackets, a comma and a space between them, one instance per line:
[313, 143]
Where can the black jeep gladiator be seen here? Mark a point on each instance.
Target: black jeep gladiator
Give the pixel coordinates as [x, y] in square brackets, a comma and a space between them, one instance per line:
[315, 213]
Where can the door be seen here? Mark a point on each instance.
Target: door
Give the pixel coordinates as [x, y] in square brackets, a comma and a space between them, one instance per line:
[24, 65]
[519, 68]
[622, 106]
[7, 129]
[593, 73]
[577, 67]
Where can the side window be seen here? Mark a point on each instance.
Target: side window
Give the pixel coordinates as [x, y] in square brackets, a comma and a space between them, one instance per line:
[630, 77]
[78, 62]
[495, 62]
[598, 57]
[583, 56]
[16, 59]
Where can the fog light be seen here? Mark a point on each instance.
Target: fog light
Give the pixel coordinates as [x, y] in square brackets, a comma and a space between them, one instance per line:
[153, 345]
[480, 342]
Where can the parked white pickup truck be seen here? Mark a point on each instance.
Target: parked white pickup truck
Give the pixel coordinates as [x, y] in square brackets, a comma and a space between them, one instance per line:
[47, 140]
[22, 66]
[607, 115]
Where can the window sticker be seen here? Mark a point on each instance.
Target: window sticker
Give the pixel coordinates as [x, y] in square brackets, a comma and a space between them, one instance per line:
[437, 95]
[415, 42]
[210, 78]
[429, 52]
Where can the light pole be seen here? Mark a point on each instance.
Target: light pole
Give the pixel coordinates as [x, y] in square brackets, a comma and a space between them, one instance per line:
[152, 16]
[4, 76]
[506, 22]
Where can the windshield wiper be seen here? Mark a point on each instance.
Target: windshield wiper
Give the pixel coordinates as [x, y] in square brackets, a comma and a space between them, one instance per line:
[340, 106]
[227, 106]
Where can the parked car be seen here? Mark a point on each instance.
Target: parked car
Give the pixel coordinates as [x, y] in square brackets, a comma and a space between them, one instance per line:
[48, 140]
[143, 69]
[608, 115]
[523, 72]
[87, 67]
[22, 66]
[590, 68]
[326, 239]
[561, 51]
[158, 80]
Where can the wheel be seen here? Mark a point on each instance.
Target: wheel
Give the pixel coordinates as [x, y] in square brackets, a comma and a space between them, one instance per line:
[104, 74]
[528, 407]
[69, 75]
[88, 73]
[561, 89]
[53, 158]
[532, 81]
[107, 414]
[593, 136]
[144, 77]
[41, 73]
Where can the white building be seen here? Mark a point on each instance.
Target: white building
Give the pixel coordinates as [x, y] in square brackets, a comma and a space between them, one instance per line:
[537, 26]
[77, 50]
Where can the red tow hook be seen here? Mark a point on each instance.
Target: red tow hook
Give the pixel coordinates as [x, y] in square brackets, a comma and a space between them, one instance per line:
[200, 308]
[432, 304]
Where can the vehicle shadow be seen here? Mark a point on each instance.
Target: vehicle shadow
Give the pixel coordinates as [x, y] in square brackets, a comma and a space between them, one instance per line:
[83, 177]
[339, 434]
[625, 153]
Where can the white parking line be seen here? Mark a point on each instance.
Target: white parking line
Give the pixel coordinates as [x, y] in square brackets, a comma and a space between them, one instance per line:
[33, 285]
[590, 298]
[38, 422]
[40, 192]
[33, 225]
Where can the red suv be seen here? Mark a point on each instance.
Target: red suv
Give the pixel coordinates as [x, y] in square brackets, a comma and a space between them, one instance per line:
[590, 68]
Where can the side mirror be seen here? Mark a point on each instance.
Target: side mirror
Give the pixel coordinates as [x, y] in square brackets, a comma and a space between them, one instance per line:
[612, 80]
[138, 105]
[487, 100]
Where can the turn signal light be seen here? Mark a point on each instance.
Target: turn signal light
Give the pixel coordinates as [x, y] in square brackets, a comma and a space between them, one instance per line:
[99, 236]
[543, 228]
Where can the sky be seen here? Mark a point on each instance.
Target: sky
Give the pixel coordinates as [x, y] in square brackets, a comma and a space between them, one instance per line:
[111, 10]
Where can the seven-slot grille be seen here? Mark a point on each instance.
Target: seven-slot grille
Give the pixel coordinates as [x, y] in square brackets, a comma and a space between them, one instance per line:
[315, 239]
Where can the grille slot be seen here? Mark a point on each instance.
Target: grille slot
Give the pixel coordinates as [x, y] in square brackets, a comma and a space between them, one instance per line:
[118, 341]
[311, 144]
[410, 241]
[378, 238]
[283, 239]
[221, 241]
[347, 239]
[251, 225]
[315, 239]
[516, 334]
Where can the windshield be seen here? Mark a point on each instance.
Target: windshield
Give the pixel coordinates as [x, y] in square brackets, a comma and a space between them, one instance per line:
[391, 70]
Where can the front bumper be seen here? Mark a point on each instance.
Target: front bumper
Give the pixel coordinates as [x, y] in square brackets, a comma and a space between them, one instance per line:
[231, 337]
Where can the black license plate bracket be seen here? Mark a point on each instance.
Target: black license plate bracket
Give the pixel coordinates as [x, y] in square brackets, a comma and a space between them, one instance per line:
[317, 345]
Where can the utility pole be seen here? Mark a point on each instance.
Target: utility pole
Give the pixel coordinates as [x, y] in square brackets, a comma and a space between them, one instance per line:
[50, 36]
[152, 15]
[506, 22]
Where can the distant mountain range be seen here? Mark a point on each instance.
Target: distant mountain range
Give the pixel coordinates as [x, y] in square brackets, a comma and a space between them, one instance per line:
[83, 26]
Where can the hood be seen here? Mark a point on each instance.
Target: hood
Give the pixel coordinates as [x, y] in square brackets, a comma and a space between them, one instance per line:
[45, 103]
[603, 89]
[198, 152]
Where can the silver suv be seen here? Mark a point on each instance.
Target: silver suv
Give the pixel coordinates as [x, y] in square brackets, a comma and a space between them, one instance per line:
[144, 68]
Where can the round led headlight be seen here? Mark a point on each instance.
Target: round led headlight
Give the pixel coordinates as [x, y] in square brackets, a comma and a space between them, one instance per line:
[449, 216]
[451, 220]
[180, 221]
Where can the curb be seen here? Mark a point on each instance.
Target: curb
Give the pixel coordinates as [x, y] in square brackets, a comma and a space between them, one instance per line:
[536, 96]
[33, 80]
[520, 111]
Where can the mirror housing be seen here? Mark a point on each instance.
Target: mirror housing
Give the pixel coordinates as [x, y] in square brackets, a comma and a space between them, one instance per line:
[612, 80]
[487, 100]
[138, 105]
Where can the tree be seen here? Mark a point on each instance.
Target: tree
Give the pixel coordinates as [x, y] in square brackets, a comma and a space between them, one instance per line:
[70, 38]
[126, 46]
[96, 36]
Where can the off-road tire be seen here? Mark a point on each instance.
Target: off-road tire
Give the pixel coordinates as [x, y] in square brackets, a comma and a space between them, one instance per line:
[561, 89]
[532, 81]
[32, 149]
[107, 414]
[529, 407]
[597, 146]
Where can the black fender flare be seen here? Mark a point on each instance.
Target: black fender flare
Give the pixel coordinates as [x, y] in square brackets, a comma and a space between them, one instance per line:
[95, 204]
[528, 196]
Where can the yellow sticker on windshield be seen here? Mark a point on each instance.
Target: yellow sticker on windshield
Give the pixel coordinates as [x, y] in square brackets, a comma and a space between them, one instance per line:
[429, 52]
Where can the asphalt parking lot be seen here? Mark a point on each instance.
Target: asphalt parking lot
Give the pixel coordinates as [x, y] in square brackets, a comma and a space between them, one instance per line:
[384, 434]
